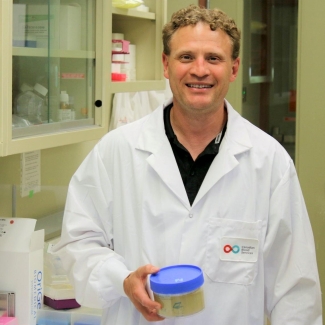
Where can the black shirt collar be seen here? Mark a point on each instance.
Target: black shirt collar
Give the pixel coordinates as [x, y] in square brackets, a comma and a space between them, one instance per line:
[211, 148]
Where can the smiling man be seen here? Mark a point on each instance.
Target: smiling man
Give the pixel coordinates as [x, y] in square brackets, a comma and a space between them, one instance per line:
[192, 183]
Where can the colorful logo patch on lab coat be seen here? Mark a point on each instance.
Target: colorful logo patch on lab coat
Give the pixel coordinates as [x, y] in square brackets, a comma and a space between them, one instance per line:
[238, 249]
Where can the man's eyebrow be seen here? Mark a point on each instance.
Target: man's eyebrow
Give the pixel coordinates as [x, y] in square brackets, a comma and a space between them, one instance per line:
[212, 54]
[179, 52]
[189, 51]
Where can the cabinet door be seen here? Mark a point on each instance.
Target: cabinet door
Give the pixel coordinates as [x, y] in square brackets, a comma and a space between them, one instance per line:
[56, 78]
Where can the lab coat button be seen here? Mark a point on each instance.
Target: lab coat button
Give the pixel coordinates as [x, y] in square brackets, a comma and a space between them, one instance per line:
[190, 215]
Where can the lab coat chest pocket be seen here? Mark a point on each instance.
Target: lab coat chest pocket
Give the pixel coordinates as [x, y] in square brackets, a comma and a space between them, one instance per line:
[232, 251]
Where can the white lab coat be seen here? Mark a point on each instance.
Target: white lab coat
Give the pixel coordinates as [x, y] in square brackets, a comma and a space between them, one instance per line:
[129, 193]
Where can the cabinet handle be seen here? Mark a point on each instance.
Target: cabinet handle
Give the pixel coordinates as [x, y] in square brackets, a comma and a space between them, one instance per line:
[98, 103]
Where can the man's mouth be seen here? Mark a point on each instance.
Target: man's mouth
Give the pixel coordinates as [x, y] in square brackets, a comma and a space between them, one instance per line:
[198, 86]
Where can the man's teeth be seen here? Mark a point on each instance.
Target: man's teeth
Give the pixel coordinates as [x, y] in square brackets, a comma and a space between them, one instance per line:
[199, 86]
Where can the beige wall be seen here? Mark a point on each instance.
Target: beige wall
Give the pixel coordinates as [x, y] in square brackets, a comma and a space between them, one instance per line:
[310, 149]
[173, 6]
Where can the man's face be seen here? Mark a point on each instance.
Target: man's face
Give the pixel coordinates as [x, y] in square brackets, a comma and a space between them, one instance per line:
[200, 68]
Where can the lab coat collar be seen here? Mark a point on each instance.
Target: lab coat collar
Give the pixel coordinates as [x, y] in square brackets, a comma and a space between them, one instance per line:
[153, 139]
[235, 141]
[237, 137]
[153, 134]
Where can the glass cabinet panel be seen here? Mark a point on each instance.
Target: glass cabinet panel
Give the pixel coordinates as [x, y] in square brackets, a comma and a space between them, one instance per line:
[53, 66]
[270, 68]
[260, 67]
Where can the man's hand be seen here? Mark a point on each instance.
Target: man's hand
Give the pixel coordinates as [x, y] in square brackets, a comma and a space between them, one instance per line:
[135, 289]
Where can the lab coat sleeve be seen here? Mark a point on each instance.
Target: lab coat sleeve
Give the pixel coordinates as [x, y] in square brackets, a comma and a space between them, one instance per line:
[292, 285]
[85, 247]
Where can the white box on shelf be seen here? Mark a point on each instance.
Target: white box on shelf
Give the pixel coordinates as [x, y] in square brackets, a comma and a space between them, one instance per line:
[18, 23]
[21, 271]
[70, 27]
[19, 35]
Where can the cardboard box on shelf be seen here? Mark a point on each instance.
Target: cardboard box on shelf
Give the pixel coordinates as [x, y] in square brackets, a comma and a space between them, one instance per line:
[21, 260]
[42, 24]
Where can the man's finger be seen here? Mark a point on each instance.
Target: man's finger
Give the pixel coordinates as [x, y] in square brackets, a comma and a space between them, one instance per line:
[146, 270]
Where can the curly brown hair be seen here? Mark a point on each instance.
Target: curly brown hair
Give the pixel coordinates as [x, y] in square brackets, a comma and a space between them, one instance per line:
[192, 15]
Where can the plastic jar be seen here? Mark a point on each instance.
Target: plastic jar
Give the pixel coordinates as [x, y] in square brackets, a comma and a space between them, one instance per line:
[179, 290]
[32, 104]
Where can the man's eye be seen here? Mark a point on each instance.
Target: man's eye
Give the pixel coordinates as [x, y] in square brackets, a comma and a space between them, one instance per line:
[185, 58]
[213, 59]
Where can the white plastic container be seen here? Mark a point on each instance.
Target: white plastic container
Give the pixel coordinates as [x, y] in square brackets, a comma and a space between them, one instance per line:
[179, 290]
[65, 110]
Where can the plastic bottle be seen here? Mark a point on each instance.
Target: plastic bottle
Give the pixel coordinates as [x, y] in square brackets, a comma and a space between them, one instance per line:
[64, 111]
[42, 102]
[23, 89]
[32, 104]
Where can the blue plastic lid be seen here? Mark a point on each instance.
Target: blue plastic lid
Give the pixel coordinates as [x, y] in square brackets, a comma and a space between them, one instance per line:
[176, 279]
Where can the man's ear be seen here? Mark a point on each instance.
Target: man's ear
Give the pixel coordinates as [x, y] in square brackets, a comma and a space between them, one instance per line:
[165, 58]
[234, 69]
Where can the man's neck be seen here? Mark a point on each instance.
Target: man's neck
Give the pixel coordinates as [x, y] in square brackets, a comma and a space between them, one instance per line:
[196, 132]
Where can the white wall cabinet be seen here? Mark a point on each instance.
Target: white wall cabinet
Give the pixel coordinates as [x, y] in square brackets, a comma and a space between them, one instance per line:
[50, 48]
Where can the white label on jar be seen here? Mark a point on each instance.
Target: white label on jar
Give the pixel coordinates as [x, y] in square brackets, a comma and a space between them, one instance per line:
[64, 114]
[238, 249]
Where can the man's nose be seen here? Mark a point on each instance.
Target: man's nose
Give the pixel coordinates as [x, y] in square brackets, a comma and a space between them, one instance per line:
[200, 67]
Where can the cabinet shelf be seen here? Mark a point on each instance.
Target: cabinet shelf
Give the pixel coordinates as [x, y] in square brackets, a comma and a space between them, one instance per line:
[42, 52]
[134, 13]
[52, 128]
